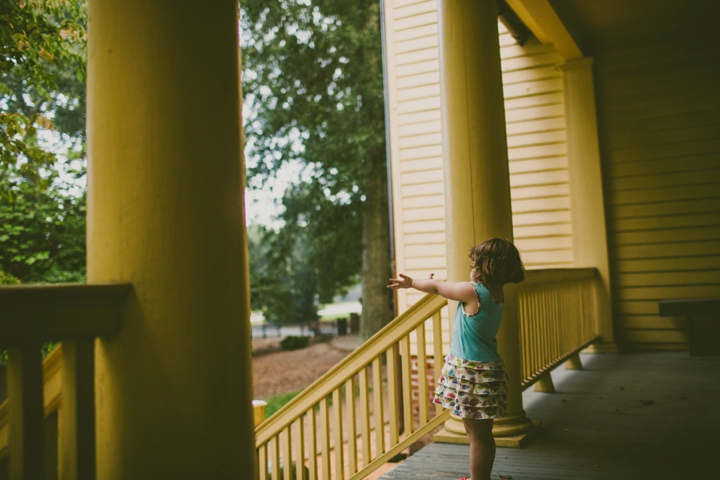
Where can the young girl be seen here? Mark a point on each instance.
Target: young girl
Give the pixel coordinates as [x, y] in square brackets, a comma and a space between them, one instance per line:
[472, 382]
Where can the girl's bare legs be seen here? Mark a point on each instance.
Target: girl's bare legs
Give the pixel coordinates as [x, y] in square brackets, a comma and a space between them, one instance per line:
[482, 447]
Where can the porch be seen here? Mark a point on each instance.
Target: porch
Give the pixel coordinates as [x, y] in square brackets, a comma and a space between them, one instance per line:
[600, 424]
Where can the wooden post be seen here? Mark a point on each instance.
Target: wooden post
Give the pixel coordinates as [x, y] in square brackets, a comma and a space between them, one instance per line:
[166, 183]
[476, 174]
[26, 411]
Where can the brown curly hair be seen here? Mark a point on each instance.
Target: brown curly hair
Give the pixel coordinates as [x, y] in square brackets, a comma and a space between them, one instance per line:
[497, 261]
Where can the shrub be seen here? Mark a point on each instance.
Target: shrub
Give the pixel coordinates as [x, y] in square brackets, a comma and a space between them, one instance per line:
[294, 343]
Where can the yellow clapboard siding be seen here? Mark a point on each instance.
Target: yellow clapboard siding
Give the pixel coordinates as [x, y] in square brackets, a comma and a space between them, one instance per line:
[417, 56]
[426, 262]
[422, 128]
[545, 105]
[556, 242]
[418, 117]
[423, 201]
[423, 214]
[668, 250]
[425, 238]
[665, 222]
[425, 251]
[533, 125]
[668, 235]
[543, 218]
[421, 152]
[665, 165]
[547, 177]
[420, 165]
[419, 105]
[665, 208]
[512, 50]
[413, 9]
[668, 264]
[538, 164]
[547, 257]
[542, 138]
[418, 63]
[648, 195]
[415, 44]
[651, 322]
[665, 150]
[528, 61]
[667, 279]
[542, 230]
[428, 78]
[428, 18]
[424, 227]
[427, 139]
[541, 204]
[654, 336]
[422, 189]
[539, 87]
[417, 32]
[637, 307]
[534, 191]
[531, 75]
[414, 93]
[691, 177]
[537, 151]
[667, 293]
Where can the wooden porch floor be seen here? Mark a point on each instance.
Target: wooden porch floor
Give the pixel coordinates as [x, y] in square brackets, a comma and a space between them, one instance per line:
[631, 416]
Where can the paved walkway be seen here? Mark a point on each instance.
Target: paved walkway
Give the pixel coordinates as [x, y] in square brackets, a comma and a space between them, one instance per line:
[631, 416]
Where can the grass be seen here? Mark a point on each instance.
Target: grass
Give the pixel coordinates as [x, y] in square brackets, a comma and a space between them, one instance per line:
[278, 401]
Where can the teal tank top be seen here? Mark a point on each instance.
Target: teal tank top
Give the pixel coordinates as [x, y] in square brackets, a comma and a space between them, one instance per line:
[473, 336]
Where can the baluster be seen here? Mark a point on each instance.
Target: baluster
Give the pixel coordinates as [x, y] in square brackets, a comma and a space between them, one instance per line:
[438, 357]
[286, 437]
[77, 415]
[422, 375]
[262, 461]
[338, 434]
[325, 439]
[299, 440]
[405, 359]
[26, 424]
[378, 407]
[351, 432]
[312, 443]
[392, 395]
[275, 457]
[364, 417]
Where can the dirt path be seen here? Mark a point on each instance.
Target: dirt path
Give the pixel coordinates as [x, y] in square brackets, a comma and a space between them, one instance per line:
[280, 372]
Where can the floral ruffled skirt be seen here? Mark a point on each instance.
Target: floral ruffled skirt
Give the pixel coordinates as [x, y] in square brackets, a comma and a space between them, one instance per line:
[471, 389]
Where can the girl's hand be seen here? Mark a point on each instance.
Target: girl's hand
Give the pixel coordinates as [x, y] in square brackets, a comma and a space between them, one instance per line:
[403, 282]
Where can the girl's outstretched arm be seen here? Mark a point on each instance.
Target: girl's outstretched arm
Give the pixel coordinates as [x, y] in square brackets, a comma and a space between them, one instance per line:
[460, 291]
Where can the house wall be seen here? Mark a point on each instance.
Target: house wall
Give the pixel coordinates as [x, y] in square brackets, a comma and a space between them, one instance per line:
[659, 123]
[536, 146]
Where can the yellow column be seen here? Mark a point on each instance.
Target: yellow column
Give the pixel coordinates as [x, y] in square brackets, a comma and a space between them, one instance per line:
[166, 213]
[586, 192]
[477, 187]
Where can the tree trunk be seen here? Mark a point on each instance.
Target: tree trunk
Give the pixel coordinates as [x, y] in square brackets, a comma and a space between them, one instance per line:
[376, 297]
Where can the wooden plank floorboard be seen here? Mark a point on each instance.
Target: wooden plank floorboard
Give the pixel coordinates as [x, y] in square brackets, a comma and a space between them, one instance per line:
[596, 425]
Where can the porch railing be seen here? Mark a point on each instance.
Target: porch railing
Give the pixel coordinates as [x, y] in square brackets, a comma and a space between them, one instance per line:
[29, 427]
[557, 312]
[350, 421]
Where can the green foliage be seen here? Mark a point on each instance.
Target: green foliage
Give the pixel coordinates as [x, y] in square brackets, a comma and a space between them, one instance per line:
[278, 401]
[312, 79]
[42, 70]
[42, 232]
[294, 343]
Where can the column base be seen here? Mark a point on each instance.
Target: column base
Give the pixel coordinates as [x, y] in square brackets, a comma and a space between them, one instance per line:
[515, 431]
[516, 441]
[601, 347]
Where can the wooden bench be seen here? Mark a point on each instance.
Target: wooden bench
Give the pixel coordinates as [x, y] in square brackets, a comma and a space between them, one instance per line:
[703, 322]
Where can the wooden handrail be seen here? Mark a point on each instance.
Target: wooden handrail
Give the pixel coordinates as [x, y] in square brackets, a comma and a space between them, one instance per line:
[43, 313]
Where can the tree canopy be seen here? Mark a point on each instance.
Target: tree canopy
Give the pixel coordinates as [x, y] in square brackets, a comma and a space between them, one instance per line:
[312, 80]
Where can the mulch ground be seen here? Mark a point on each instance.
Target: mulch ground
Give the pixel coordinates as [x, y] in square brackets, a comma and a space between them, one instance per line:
[280, 372]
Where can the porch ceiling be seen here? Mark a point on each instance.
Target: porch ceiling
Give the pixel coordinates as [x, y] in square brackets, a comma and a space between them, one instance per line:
[602, 25]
